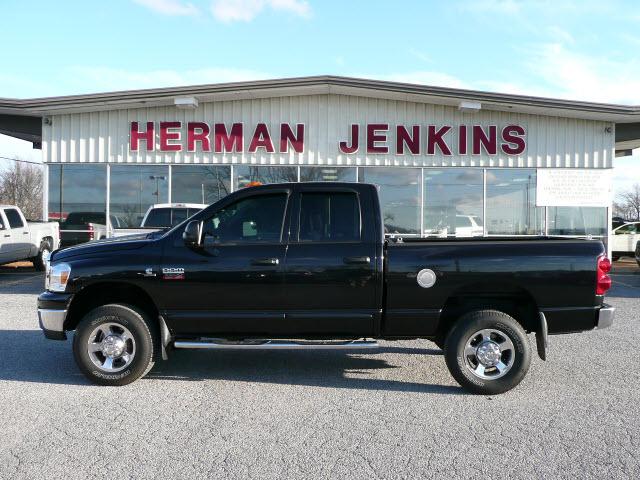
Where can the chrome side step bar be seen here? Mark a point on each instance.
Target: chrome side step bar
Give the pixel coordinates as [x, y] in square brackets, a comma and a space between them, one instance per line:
[221, 344]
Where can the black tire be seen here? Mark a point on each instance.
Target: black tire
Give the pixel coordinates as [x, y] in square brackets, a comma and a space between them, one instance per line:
[145, 346]
[39, 262]
[518, 357]
[440, 342]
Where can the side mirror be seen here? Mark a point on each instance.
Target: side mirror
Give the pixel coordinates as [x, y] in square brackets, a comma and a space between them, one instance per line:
[192, 233]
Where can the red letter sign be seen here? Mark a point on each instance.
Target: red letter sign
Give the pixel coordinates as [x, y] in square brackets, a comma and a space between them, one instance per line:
[166, 135]
[136, 136]
[480, 139]
[373, 136]
[202, 135]
[286, 137]
[224, 142]
[261, 139]
[412, 141]
[513, 135]
[344, 148]
[435, 137]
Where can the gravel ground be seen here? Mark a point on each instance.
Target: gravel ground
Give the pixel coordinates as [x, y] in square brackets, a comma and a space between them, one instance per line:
[390, 413]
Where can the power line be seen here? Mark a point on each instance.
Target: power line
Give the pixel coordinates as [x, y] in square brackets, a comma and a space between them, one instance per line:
[20, 160]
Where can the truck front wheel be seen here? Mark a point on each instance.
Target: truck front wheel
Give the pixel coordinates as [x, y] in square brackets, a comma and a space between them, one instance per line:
[114, 345]
[487, 352]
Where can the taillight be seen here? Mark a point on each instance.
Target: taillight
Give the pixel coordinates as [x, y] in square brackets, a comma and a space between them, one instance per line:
[91, 232]
[604, 281]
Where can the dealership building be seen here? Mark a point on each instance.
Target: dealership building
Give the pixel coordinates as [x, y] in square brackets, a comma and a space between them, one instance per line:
[448, 162]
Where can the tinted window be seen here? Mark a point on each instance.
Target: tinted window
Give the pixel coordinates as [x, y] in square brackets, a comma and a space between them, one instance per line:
[135, 188]
[158, 217]
[253, 219]
[14, 218]
[83, 218]
[329, 217]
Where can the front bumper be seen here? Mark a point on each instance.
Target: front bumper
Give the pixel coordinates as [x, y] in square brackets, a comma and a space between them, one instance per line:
[605, 316]
[52, 323]
[52, 313]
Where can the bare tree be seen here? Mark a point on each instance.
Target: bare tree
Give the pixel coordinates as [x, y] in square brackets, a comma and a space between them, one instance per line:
[21, 185]
[629, 203]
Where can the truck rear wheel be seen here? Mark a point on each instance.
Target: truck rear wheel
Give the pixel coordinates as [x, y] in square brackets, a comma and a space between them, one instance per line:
[487, 352]
[115, 344]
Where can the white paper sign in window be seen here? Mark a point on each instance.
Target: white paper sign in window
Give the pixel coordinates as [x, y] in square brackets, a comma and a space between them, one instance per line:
[565, 187]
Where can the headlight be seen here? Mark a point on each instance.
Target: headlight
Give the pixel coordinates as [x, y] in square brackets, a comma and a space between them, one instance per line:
[57, 277]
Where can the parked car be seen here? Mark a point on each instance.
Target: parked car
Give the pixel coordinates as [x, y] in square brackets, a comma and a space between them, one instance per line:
[22, 240]
[309, 262]
[81, 227]
[465, 226]
[162, 216]
[624, 239]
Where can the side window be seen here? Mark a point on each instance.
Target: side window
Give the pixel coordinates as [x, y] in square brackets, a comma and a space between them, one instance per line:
[627, 229]
[15, 221]
[250, 220]
[329, 217]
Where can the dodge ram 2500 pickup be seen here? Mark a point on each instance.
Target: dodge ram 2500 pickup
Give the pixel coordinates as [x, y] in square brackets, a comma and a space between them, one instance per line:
[307, 265]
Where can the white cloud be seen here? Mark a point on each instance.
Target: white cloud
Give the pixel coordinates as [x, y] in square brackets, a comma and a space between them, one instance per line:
[247, 10]
[169, 7]
[573, 75]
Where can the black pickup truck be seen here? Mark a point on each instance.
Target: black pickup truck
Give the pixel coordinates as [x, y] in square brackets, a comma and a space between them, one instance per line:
[307, 265]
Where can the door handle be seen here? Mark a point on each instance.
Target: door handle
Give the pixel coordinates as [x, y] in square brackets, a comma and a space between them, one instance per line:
[25, 233]
[356, 260]
[7, 235]
[263, 262]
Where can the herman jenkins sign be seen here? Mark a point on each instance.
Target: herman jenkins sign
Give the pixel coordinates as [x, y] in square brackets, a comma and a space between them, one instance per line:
[373, 138]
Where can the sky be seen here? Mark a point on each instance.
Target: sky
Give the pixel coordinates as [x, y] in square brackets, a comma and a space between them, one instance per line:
[585, 50]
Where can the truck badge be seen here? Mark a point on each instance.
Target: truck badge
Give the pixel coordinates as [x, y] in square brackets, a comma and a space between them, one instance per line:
[173, 273]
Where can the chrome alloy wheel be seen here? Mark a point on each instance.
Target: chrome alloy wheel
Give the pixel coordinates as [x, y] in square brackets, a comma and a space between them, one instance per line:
[489, 354]
[111, 347]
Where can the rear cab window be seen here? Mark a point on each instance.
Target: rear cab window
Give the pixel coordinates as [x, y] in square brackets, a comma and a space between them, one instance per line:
[329, 217]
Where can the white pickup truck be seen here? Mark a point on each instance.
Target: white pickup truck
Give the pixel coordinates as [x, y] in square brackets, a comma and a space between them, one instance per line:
[161, 216]
[22, 240]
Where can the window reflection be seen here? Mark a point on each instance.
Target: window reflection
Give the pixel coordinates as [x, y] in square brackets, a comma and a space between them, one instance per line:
[134, 189]
[511, 203]
[577, 221]
[249, 174]
[328, 174]
[453, 202]
[200, 183]
[76, 188]
[399, 197]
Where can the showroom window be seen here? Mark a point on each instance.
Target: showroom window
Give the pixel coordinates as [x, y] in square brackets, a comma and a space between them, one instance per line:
[76, 189]
[453, 202]
[199, 183]
[248, 174]
[328, 174]
[134, 189]
[399, 197]
[577, 221]
[511, 203]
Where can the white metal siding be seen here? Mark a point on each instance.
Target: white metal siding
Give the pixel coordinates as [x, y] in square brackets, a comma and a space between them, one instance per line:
[552, 142]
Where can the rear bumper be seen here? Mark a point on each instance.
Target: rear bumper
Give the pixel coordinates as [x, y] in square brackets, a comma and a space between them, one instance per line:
[605, 316]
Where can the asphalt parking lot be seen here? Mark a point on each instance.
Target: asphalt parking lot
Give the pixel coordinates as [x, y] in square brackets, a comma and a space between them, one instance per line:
[390, 413]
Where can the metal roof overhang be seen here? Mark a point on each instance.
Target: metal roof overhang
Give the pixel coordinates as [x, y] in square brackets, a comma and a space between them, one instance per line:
[31, 111]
